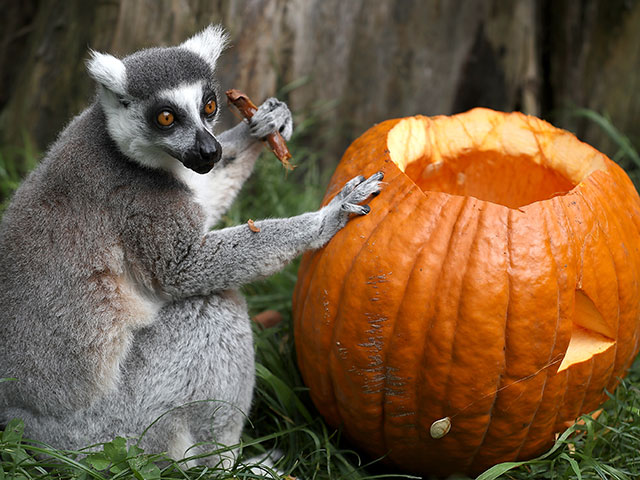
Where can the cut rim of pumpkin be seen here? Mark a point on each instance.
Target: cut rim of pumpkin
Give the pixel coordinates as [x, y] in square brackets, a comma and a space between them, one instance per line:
[507, 159]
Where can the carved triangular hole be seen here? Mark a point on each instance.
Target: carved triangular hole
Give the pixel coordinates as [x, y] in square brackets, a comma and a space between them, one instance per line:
[591, 333]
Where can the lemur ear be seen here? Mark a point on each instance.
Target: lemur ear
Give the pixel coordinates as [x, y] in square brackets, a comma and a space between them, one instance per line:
[209, 43]
[108, 71]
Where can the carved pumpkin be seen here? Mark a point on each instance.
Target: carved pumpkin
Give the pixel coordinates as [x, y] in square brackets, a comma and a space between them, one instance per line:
[491, 295]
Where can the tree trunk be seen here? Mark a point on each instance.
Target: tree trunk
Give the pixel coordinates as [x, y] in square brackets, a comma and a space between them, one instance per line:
[367, 60]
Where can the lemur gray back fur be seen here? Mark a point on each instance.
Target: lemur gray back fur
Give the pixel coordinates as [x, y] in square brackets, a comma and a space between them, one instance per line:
[117, 301]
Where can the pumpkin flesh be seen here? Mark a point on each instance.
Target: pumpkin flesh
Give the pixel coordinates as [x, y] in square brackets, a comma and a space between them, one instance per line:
[494, 283]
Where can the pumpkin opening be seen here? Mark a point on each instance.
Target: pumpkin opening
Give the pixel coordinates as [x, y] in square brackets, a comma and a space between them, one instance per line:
[509, 181]
[505, 164]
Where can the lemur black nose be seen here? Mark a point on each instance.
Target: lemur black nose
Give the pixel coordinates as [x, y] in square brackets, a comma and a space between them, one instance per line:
[204, 154]
[208, 147]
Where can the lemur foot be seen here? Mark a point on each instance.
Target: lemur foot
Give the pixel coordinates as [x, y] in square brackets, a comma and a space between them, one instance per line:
[337, 213]
[273, 115]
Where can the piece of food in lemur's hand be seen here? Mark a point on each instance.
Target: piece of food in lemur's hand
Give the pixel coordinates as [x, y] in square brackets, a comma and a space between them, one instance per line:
[276, 143]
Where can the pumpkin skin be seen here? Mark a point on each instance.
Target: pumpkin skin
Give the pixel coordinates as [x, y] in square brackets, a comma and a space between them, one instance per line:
[495, 282]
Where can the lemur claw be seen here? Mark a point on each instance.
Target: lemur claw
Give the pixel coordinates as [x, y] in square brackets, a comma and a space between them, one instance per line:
[357, 190]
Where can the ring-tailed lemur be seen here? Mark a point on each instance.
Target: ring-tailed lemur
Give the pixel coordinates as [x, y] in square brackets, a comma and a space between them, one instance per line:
[117, 303]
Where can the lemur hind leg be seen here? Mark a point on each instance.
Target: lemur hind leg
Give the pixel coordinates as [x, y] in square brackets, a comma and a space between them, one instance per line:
[201, 354]
[188, 378]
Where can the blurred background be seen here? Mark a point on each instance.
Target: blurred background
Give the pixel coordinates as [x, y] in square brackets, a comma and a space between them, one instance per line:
[346, 63]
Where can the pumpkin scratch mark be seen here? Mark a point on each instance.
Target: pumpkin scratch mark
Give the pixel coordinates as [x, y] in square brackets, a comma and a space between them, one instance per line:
[556, 361]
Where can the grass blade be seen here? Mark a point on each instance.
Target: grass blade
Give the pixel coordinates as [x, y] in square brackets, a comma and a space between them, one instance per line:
[623, 143]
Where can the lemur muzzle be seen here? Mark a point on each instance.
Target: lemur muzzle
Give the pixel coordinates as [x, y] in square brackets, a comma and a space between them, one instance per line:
[205, 153]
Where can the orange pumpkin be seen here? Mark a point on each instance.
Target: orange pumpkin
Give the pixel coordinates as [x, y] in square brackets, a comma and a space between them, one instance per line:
[491, 295]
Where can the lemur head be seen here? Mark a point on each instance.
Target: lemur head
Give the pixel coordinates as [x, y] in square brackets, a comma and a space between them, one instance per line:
[160, 104]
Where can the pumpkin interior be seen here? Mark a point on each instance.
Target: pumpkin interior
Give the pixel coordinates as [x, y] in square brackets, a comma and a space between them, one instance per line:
[506, 164]
[512, 182]
[508, 161]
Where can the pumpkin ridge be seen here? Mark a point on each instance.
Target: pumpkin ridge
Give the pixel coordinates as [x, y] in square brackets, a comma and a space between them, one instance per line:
[499, 385]
[477, 219]
[544, 370]
[307, 297]
[363, 244]
[385, 389]
[575, 257]
[300, 295]
[615, 268]
[312, 280]
[545, 217]
[476, 222]
[332, 342]
[400, 307]
[300, 303]
[307, 263]
[605, 234]
[629, 205]
[624, 236]
[550, 217]
[550, 359]
[588, 215]
[535, 413]
[553, 356]
[632, 206]
[424, 360]
[521, 374]
[550, 362]
[463, 205]
[558, 214]
[557, 424]
[623, 203]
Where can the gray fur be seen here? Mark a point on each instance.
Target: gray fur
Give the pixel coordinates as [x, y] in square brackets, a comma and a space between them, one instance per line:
[266, 120]
[117, 304]
[155, 69]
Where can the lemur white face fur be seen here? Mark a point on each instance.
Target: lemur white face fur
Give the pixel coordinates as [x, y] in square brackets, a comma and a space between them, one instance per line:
[161, 103]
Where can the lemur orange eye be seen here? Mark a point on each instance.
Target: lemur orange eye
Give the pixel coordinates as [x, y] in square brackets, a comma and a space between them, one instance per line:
[210, 107]
[165, 118]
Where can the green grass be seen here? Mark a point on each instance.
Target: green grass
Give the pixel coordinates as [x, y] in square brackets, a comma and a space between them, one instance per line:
[15, 162]
[283, 416]
[626, 155]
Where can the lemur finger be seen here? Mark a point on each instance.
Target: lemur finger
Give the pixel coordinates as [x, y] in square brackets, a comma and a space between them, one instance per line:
[261, 129]
[273, 115]
[362, 191]
[286, 130]
[353, 208]
[350, 186]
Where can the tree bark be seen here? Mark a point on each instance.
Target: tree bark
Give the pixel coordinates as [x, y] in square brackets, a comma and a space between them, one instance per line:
[592, 57]
[366, 60]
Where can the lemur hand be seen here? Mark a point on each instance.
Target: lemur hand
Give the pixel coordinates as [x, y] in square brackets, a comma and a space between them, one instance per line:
[337, 213]
[273, 115]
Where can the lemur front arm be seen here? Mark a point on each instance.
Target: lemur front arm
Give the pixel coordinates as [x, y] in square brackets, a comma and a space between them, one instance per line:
[192, 264]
